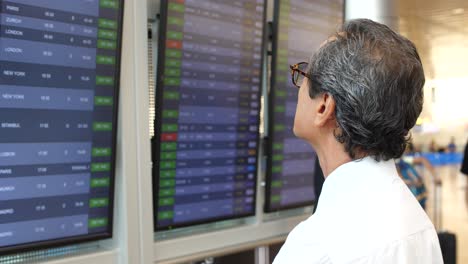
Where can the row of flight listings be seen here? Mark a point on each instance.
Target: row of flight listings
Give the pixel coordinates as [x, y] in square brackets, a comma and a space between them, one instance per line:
[60, 66]
[207, 112]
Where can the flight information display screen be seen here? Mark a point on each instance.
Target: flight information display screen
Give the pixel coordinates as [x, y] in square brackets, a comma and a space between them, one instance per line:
[207, 111]
[300, 27]
[59, 67]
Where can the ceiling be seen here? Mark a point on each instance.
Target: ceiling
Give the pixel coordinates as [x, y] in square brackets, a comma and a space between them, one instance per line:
[439, 28]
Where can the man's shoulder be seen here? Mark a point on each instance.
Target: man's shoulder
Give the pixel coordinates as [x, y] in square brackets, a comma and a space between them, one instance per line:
[419, 248]
[357, 227]
[303, 245]
[311, 243]
[307, 232]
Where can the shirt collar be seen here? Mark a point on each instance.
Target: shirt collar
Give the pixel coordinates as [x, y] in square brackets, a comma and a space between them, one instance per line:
[353, 177]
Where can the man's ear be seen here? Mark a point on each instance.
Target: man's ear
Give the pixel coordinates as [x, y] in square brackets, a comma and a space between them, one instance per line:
[325, 109]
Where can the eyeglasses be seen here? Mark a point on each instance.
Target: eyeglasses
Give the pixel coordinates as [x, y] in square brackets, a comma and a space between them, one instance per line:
[298, 72]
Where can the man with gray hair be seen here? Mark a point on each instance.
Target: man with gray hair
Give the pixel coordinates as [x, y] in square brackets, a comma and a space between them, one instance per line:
[358, 98]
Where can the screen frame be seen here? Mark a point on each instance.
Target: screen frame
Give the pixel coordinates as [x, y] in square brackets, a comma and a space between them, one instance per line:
[156, 144]
[271, 102]
[80, 239]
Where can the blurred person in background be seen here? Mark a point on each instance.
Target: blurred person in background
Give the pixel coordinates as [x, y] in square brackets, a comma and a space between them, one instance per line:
[413, 178]
[464, 167]
[464, 170]
[452, 148]
[433, 146]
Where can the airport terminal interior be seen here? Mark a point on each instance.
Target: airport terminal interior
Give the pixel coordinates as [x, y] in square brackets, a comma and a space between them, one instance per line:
[161, 131]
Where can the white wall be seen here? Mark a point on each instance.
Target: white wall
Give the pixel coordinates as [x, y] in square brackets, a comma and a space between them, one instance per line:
[445, 112]
[447, 92]
[383, 11]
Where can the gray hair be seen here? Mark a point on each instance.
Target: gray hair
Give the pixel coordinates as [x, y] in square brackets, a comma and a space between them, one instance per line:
[376, 78]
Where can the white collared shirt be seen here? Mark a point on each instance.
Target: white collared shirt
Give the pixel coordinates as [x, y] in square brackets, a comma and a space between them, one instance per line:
[365, 214]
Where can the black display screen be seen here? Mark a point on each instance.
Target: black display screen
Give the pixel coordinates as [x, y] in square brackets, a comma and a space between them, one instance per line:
[207, 111]
[300, 26]
[59, 68]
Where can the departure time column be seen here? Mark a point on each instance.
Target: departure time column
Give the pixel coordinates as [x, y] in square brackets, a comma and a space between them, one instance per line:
[247, 127]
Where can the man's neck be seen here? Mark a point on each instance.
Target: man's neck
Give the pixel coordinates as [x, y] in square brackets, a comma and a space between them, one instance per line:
[331, 155]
